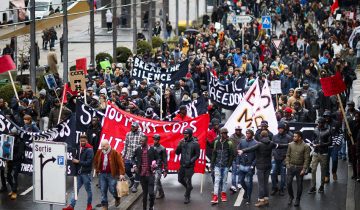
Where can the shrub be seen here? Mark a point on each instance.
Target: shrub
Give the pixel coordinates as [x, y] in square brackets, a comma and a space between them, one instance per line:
[73, 68]
[143, 47]
[156, 42]
[122, 54]
[101, 57]
[41, 83]
[173, 40]
[7, 91]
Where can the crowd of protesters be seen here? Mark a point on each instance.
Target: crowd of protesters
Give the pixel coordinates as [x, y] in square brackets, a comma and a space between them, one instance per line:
[314, 45]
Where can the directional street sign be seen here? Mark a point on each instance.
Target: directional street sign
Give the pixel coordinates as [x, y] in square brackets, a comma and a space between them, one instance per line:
[266, 22]
[243, 19]
[49, 172]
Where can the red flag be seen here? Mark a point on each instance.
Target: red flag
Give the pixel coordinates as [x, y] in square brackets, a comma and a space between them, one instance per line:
[6, 64]
[81, 64]
[64, 98]
[334, 6]
[333, 85]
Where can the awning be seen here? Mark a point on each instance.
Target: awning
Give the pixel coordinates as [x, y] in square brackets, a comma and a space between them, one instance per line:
[76, 10]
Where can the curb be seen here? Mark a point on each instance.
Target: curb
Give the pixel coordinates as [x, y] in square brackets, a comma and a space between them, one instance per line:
[130, 200]
[350, 198]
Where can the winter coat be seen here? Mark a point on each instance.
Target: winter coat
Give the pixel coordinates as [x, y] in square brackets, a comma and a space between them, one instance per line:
[223, 153]
[117, 165]
[190, 152]
[280, 153]
[322, 137]
[86, 159]
[137, 158]
[248, 158]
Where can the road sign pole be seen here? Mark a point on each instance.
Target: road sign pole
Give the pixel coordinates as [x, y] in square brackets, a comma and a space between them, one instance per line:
[51, 207]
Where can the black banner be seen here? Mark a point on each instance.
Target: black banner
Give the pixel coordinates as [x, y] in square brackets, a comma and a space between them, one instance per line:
[227, 96]
[143, 70]
[63, 132]
[84, 114]
[306, 128]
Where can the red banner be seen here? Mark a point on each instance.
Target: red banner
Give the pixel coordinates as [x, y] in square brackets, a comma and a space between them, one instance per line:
[118, 122]
[6, 63]
[81, 65]
[333, 85]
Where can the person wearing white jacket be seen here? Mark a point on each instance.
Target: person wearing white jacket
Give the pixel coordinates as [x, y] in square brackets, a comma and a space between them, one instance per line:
[109, 17]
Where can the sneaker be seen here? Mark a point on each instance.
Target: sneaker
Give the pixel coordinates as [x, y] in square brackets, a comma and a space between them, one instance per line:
[335, 177]
[260, 203]
[160, 196]
[312, 190]
[223, 197]
[239, 186]
[233, 189]
[274, 191]
[215, 199]
[297, 202]
[69, 207]
[13, 196]
[321, 189]
[89, 207]
[281, 192]
[187, 200]
[290, 201]
[326, 179]
[10, 193]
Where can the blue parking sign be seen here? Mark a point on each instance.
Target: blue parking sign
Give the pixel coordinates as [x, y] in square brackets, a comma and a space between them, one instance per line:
[60, 160]
[266, 22]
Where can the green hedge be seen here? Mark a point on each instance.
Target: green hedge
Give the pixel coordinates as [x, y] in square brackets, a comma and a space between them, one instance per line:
[156, 42]
[7, 92]
[122, 54]
[143, 47]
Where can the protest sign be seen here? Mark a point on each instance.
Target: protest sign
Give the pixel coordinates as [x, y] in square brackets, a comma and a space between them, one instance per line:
[227, 96]
[275, 87]
[77, 80]
[118, 122]
[6, 147]
[50, 81]
[81, 64]
[105, 64]
[144, 70]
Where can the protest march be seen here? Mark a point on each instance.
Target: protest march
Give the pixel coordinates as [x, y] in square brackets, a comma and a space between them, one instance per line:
[255, 93]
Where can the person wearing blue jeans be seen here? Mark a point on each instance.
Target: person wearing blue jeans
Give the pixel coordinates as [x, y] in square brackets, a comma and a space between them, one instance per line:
[109, 165]
[83, 169]
[222, 158]
[337, 138]
[236, 138]
[278, 167]
[246, 165]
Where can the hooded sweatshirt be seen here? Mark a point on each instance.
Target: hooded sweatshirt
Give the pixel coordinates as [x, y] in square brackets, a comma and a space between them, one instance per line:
[86, 159]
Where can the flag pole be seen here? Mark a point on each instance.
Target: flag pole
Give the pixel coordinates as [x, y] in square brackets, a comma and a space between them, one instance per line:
[345, 119]
[62, 103]
[13, 85]
[161, 102]
[202, 183]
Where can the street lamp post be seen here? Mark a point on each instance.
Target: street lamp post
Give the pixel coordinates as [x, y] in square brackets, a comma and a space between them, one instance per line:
[134, 27]
[92, 34]
[114, 30]
[66, 38]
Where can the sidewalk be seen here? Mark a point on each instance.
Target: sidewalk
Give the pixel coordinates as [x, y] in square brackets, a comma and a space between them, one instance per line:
[353, 187]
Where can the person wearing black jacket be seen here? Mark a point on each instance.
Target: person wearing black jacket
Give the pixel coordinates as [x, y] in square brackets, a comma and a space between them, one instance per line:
[263, 151]
[264, 125]
[93, 133]
[14, 165]
[321, 142]
[190, 151]
[45, 107]
[162, 166]
[278, 166]
[145, 163]
[83, 169]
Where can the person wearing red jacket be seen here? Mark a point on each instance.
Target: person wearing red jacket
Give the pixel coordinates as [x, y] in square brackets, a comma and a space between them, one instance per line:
[182, 115]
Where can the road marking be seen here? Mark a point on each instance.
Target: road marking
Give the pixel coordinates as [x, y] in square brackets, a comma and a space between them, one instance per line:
[239, 198]
[27, 191]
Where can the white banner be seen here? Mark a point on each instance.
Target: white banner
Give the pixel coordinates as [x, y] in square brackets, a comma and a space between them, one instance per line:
[254, 108]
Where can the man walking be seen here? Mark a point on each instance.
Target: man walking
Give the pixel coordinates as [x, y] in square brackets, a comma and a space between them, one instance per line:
[235, 138]
[132, 141]
[223, 155]
[297, 160]
[109, 165]
[190, 151]
[278, 165]
[321, 143]
[83, 167]
[162, 166]
[145, 158]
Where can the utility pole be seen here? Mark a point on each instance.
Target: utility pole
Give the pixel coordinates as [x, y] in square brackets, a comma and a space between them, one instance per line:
[197, 9]
[150, 22]
[66, 38]
[134, 27]
[187, 14]
[164, 20]
[114, 28]
[32, 47]
[92, 34]
[177, 18]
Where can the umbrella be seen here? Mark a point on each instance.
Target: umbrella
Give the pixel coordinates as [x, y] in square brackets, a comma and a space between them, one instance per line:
[191, 31]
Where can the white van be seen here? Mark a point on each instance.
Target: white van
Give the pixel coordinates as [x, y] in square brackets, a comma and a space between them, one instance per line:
[42, 8]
